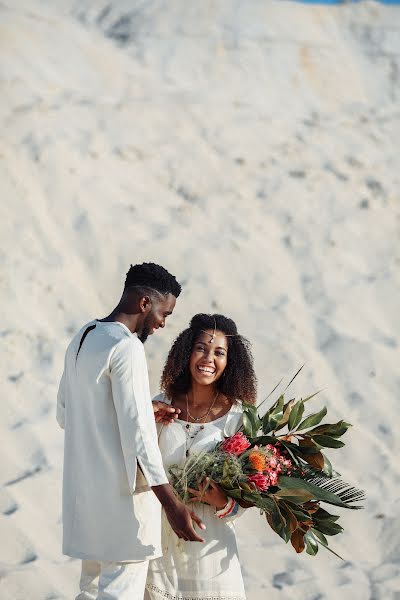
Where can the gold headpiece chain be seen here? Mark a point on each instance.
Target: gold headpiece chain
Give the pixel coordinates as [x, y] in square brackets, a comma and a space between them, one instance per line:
[212, 336]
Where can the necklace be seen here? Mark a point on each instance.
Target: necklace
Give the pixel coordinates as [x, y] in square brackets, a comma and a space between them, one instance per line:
[192, 435]
[198, 419]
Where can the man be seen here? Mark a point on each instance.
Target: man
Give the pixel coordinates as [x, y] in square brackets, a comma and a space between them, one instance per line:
[111, 517]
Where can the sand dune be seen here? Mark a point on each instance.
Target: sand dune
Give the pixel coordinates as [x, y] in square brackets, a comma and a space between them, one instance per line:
[251, 148]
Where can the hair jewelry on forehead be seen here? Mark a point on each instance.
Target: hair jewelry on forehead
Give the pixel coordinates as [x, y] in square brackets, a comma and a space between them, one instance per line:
[212, 335]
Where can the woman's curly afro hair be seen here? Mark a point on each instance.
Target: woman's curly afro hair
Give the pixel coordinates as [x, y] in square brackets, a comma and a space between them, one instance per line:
[238, 381]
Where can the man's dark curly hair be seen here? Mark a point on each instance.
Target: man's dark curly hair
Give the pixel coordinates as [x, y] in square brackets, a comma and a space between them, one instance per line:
[150, 275]
[238, 381]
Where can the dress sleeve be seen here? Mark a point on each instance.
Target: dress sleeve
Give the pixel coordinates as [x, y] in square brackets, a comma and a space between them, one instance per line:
[137, 427]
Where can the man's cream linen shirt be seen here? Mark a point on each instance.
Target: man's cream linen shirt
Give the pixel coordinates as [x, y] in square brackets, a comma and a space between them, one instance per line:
[104, 405]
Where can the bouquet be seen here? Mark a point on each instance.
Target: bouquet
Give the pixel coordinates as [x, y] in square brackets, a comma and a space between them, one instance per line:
[285, 475]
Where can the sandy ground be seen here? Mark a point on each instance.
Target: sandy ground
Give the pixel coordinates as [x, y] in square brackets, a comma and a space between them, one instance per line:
[252, 149]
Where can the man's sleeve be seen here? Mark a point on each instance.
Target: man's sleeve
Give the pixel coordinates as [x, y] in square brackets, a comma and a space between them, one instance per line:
[132, 401]
[61, 399]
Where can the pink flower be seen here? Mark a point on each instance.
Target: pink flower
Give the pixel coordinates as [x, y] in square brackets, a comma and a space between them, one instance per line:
[273, 477]
[236, 444]
[272, 462]
[262, 482]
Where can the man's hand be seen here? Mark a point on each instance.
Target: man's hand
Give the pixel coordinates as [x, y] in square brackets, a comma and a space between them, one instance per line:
[179, 517]
[181, 520]
[164, 413]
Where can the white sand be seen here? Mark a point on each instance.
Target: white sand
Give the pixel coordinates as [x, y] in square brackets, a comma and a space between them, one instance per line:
[252, 149]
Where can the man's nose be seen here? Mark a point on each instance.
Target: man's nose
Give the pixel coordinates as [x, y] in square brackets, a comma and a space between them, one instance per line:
[162, 324]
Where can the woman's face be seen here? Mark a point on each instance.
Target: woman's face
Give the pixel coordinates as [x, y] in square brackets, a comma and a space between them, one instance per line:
[208, 358]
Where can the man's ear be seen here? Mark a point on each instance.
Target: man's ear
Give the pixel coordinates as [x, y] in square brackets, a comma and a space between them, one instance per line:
[145, 304]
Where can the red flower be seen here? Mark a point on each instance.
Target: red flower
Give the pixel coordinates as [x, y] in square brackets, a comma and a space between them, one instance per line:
[236, 444]
[262, 482]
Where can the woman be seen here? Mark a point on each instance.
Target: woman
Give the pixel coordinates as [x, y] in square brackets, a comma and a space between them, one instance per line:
[208, 374]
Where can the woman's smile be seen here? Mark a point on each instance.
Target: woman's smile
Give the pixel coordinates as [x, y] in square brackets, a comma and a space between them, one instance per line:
[206, 370]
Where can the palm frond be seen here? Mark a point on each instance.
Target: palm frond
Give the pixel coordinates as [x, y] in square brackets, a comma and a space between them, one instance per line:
[346, 492]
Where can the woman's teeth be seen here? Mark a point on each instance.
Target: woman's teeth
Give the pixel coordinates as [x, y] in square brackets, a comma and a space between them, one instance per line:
[206, 370]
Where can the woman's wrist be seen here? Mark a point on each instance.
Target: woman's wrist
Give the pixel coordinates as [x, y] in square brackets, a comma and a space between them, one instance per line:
[222, 506]
[230, 508]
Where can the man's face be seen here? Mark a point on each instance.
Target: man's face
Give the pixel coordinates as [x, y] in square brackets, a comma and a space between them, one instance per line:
[155, 318]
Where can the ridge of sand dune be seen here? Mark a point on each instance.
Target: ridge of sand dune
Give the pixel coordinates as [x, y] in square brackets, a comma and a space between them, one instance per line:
[251, 148]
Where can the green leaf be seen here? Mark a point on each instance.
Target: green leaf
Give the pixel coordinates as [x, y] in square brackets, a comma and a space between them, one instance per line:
[247, 425]
[324, 542]
[291, 521]
[278, 523]
[312, 420]
[311, 544]
[251, 420]
[278, 410]
[268, 423]
[273, 416]
[286, 414]
[300, 515]
[328, 442]
[294, 495]
[299, 512]
[331, 429]
[320, 536]
[296, 415]
[322, 515]
[308, 446]
[327, 466]
[328, 527]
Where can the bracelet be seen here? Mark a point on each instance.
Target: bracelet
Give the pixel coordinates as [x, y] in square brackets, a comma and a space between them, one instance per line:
[230, 509]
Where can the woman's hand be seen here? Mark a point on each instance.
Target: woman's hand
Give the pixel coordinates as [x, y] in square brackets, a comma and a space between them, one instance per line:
[164, 413]
[210, 493]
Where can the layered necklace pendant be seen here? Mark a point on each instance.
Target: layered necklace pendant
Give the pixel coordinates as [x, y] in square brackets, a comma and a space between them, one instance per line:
[191, 435]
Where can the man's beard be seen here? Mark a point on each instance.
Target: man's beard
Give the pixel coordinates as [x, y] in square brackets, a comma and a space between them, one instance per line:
[146, 330]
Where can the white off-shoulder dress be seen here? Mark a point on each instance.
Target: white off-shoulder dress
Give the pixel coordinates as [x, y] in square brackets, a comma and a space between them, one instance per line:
[194, 570]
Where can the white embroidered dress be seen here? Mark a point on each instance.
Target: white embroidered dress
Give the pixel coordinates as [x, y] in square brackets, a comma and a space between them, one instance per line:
[194, 570]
